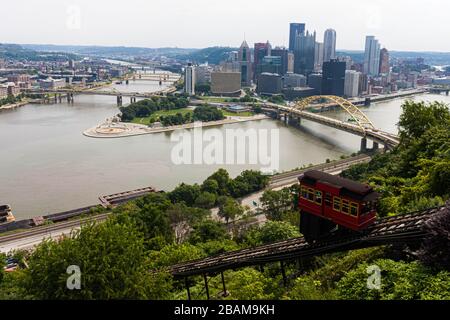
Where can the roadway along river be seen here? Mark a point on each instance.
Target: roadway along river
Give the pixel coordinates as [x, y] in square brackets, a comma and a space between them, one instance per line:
[47, 165]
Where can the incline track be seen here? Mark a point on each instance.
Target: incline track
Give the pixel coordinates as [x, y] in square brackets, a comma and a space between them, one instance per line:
[401, 229]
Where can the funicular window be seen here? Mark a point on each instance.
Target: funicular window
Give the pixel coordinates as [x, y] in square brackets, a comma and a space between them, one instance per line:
[345, 206]
[328, 199]
[337, 204]
[319, 197]
[311, 194]
[354, 209]
[304, 192]
[368, 207]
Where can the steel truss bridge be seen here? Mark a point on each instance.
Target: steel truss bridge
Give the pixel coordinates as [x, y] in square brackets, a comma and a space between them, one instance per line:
[400, 230]
[69, 93]
[361, 126]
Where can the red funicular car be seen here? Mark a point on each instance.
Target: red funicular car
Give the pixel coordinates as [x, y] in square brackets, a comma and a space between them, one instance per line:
[327, 201]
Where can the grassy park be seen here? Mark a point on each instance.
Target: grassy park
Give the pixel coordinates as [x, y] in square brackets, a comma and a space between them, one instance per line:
[155, 116]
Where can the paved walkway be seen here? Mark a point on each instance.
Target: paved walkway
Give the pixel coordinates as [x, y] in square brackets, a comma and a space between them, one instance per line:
[110, 129]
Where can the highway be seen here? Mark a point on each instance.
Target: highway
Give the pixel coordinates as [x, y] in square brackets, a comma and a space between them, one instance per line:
[26, 240]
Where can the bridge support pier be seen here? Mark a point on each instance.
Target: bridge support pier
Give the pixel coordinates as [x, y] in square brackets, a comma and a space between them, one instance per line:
[225, 292]
[278, 114]
[376, 146]
[187, 288]
[132, 99]
[119, 101]
[206, 286]
[294, 121]
[283, 273]
[70, 97]
[363, 145]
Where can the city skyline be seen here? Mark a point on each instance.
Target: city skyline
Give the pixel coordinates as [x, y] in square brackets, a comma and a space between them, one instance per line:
[81, 22]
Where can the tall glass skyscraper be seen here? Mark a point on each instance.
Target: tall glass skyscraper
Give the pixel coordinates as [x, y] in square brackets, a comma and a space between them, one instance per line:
[372, 57]
[245, 61]
[189, 79]
[329, 45]
[304, 53]
[294, 30]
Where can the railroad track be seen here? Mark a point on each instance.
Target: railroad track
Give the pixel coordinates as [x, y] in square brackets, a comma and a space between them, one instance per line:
[392, 230]
[43, 230]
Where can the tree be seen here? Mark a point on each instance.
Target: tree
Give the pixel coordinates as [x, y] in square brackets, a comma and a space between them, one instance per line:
[276, 203]
[203, 88]
[207, 113]
[399, 280]
[257, 109]
[211, 186]
[185, 193]
[248, 284]
[205, 200]
[418, 117]
[214, 247]
[173, 254]
[110, 256]
[230, 210]
[272, 231]
[208, 230]
[149, 216]
[416, 174]
[222, 178]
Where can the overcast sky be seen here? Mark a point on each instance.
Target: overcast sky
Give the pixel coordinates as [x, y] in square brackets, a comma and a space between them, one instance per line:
[413, 25]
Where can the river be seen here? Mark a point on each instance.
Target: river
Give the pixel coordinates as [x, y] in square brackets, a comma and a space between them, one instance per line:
[48, 166]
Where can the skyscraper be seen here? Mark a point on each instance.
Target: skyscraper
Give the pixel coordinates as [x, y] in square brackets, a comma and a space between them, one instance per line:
[294, 30]
[351, 88]
[270, 64]
[283, 54]
[290, 67]
[261, 50]
[318, 56]
[245, 61]
[333, 79]
[372, 56]
[189, 79]
[384, 61]
[329, 45]
[304, 50]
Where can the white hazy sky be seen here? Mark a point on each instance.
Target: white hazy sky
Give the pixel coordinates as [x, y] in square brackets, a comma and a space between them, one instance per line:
[415, 25]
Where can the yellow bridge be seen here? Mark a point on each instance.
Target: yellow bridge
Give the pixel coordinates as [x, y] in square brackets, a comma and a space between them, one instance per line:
[361, 126]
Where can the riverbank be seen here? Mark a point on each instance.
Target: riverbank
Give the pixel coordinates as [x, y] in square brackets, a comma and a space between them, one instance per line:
[110, 129]
[14, 105]
[389, 96]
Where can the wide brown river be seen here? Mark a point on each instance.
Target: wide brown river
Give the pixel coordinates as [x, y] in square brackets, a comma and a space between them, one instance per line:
[47, 165]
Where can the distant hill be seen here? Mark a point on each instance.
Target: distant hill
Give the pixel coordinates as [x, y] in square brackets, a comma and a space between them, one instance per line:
[17, 52]
[212, 55]
[104, 51]
[431, 58]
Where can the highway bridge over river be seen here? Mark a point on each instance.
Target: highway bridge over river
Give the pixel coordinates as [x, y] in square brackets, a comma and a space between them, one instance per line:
[360, 124]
